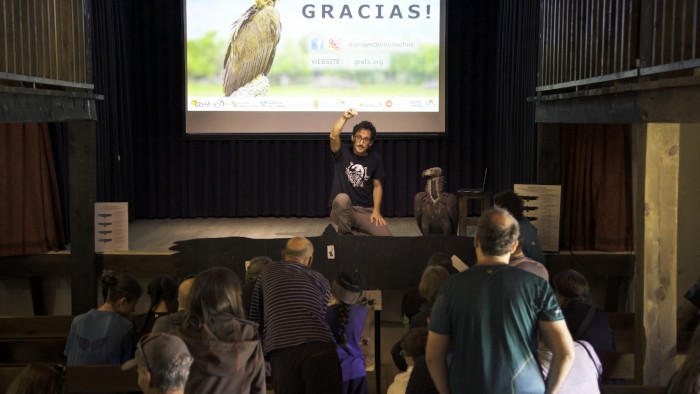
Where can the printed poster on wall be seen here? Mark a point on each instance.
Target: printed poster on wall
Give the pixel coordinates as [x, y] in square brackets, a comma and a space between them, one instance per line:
[543, 209]
[111, 227]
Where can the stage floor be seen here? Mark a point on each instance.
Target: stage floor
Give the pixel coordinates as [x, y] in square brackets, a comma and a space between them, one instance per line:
[158, 235]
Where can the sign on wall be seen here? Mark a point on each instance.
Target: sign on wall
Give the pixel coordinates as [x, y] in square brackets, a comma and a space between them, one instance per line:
[111, 226]
[543, 209]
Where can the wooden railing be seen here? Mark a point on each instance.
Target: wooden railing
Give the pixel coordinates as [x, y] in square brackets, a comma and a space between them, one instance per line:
[44, 43]
[595, 41]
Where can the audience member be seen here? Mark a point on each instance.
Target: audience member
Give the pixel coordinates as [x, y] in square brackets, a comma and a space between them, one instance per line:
[585, 321]
[163, 363]
[226, 348]
[519, 260]
[172, 321]
[346, 320]
[39, 378]
[430, 283]
[688, 309]
[585, 372]
[251, 275]
[515, 205]
[412, 301]
[687, 379]
[414, 343]
[289, 302]
[162, 291]
[103, 335]
[489, 316]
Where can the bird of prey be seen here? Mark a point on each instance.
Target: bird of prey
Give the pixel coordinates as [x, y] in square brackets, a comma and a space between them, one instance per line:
[435, 210]
[252, 47]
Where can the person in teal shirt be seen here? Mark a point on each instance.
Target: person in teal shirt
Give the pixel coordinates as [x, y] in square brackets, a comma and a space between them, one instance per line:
[490, 316]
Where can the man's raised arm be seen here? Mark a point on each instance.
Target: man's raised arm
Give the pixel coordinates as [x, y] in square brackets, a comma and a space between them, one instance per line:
[338, 128]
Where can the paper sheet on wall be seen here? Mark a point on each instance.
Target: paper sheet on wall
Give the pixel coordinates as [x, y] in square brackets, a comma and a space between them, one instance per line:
[543, 209]
[111, 227]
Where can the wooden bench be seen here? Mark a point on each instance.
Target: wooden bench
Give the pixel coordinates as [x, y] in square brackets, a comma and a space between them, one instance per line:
[84, 379]
[24, 339]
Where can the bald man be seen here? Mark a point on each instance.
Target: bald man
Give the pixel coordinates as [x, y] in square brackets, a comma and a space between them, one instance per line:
[490, 316]
[173, 320]
[289, 303]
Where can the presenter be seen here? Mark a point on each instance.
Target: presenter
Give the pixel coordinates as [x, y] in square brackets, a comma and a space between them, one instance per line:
[358, 173]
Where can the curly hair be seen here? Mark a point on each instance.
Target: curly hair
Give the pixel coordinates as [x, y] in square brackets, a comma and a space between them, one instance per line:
[365, 125]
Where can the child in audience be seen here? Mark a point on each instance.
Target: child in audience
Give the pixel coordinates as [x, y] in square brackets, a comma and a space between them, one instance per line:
[226, 348]
[162, 291]
[416, 379]
[104, 335]
[430, 283]
[251, 275]
[39, 378]
[346, 321]
[585, 322]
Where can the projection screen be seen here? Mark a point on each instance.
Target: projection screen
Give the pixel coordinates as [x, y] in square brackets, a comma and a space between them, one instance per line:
[291, 67]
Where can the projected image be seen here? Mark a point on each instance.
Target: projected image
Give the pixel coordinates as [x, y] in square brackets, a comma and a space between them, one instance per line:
[289, 55]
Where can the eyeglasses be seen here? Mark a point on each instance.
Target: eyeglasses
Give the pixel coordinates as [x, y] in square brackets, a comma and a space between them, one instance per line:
[139, 347]
[361, 139]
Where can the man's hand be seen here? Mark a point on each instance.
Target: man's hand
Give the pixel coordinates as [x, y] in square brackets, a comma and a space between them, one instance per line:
[350, 113]
[377, 219]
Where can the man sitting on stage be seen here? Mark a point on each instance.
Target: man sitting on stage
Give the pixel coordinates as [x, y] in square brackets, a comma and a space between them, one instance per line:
[356, 193]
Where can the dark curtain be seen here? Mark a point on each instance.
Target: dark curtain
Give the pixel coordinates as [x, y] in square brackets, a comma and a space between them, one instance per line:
[30, 213]
[515, 140]
[144, 159]
[596, 187]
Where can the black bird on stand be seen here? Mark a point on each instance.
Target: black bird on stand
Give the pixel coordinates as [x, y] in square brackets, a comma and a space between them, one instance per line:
[435, 210]
[251, 50]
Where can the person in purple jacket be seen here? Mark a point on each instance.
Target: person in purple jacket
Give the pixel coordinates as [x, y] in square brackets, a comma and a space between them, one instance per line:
[346, 320]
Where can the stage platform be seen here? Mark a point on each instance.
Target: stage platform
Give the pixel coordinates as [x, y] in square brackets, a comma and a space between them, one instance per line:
[158, 235]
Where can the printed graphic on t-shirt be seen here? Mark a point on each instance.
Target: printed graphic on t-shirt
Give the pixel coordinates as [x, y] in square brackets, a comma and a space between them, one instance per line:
[357, 174]
[86, 344]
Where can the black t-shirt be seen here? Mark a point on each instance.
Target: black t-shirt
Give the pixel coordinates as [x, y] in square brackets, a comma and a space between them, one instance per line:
[354, 175]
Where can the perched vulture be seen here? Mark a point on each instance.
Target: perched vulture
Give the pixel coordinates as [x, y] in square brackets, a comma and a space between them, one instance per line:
[251, 50]
[435, 211]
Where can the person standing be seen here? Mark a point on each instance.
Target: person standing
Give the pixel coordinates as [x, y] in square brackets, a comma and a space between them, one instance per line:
[490, 315]
[289, 303]
[346, 320]
[358, 173]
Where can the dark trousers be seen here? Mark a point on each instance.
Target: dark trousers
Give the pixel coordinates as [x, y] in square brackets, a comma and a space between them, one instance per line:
[309, 368]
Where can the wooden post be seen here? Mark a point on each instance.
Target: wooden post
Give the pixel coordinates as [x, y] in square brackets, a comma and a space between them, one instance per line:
[83, 191]
[658, 151]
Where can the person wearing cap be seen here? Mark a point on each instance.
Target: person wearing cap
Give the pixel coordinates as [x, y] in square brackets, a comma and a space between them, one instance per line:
[289, 303]
[163, 364]
[347, 320]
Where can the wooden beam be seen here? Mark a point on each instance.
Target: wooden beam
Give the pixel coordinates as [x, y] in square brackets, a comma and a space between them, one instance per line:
[83, 192]
[41, 105]
[656, 241]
